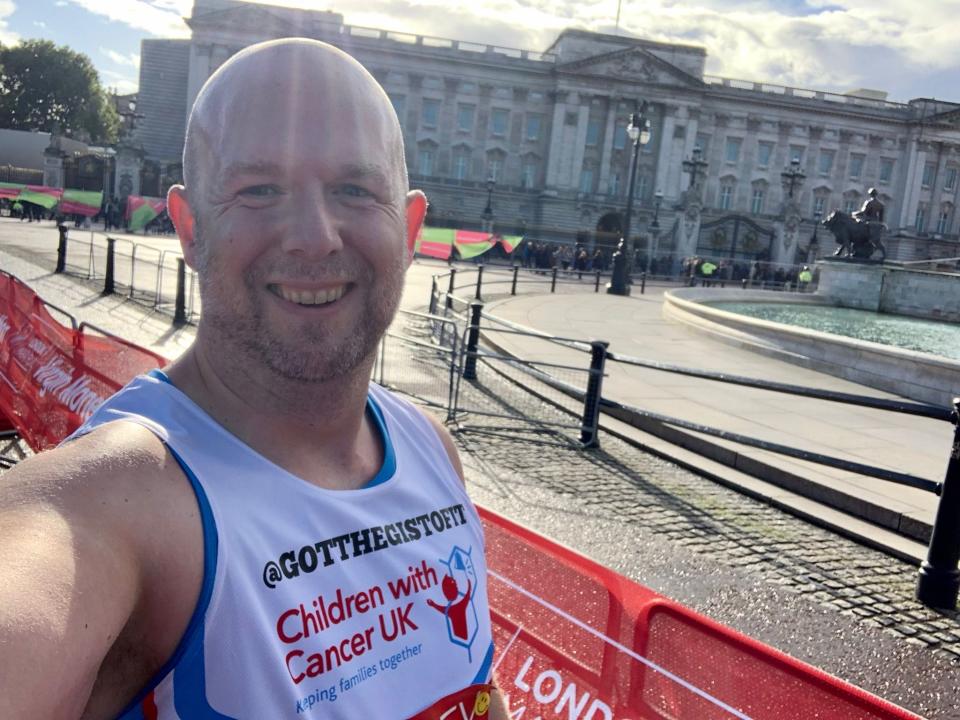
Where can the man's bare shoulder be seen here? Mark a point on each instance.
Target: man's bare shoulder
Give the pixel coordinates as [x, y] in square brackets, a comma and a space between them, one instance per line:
[447, 441]
[97, 472]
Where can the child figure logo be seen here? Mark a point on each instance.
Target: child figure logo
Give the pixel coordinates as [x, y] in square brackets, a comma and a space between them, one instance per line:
[459, 586]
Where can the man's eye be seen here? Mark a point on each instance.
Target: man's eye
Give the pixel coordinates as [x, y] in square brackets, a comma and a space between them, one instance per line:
[355, 191]
[260, 191]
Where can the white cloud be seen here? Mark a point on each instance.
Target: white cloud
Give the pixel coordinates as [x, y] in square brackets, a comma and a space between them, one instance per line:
[163, 18]
[821, 44]
[40, 24]
[7, 36]
[118, 82]
[891, 45]
[133, 59]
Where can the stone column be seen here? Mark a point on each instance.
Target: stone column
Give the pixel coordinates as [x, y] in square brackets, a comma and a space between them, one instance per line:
[556, 139]
[127, 178]
[916, 156]
[198, 72]
[607, 155]
[53, 175]
[579, 142]
[665, 158]
[688, 225]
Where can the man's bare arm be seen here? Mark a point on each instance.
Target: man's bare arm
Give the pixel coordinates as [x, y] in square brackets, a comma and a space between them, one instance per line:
[69, 575]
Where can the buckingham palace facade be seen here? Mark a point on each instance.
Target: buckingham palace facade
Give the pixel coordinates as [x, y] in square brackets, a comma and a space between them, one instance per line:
[549, 130]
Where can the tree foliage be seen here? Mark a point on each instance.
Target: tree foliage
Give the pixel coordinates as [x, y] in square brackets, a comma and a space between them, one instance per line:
[45, 87]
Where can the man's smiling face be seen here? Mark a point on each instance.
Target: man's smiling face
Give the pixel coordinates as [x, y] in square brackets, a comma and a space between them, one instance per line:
[299, 206]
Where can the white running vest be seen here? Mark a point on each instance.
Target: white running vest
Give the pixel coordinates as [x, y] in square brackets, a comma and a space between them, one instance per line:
[368, 603]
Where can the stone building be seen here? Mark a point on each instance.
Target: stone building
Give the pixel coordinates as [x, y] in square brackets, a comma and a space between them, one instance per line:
[549, 128]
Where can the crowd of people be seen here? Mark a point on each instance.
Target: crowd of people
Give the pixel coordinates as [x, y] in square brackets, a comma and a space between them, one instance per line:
[757, 273]
[546, 256]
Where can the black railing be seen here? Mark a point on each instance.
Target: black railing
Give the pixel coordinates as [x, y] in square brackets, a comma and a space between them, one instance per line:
[939, 578]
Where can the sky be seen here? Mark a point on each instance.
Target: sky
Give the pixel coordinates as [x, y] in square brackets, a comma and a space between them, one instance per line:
[907, 48]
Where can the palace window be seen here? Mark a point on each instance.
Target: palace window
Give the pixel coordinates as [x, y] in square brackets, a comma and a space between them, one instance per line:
[533, 126]
[529, 177]
[461, 165]
[615, 184]
[586, 180]
[920, 219]
[499, 119]
[929, 170]
[826, 161]
[856, 166]
[950, 179]
[756, 201]
[819, 202]
[431, 112]
[732, 154]
[640, 186]
[726, 196]
[398, 102]
[619, 137]
[943, 222]
[494, 167]
[796, 153]
[849, 205]
[593, 133]
[886, 170]
[465, 115]
[703, 142]
[764, 151]
[426, 162]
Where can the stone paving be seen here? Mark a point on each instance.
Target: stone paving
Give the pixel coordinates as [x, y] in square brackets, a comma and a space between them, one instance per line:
[806, 591]
[777, 578]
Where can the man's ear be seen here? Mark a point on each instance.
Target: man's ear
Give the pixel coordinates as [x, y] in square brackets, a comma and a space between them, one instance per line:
[416, 212]
[181, 214]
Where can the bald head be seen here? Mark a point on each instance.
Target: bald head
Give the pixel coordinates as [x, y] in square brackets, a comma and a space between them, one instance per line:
[285, 93]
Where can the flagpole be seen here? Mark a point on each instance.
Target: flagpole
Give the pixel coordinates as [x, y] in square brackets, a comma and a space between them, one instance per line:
[617, 31]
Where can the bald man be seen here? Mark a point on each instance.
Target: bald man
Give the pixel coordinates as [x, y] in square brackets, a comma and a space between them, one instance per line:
[259, 532]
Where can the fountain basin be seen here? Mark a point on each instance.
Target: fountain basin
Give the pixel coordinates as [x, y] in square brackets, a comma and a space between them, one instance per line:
[908, 373]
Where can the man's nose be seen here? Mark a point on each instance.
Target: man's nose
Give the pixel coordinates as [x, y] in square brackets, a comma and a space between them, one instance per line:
[313, 229]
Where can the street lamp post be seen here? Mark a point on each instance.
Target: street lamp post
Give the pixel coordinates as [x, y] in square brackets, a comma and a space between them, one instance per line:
[792, 177]
[814, 247]
[488, 210]
[639, 133]
[654, 229]
[694, 166]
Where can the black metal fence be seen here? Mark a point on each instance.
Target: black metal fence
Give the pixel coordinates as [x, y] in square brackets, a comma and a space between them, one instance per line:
[141, 272]
[939, 579]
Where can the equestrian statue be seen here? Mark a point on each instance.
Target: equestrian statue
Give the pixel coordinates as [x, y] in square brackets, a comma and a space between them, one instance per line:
[859, 235]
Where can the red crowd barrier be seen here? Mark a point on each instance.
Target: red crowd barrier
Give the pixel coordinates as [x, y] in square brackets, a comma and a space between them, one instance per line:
[54, 375]
[574, 640]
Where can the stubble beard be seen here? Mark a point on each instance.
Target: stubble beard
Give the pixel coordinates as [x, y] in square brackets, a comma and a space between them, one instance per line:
[306, 353]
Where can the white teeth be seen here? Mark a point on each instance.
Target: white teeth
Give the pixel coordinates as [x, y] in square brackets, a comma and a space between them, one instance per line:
[310, 297]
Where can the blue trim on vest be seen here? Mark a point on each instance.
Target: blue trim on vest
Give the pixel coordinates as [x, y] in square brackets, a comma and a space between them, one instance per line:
[483, 674]
[389, 467]
[133, 713]
[191, 644]
[158, 374]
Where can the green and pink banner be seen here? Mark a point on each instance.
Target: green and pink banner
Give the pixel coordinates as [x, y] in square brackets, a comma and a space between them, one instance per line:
[141, 210]
[11, 190]
[439, 242]
[81, 202]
